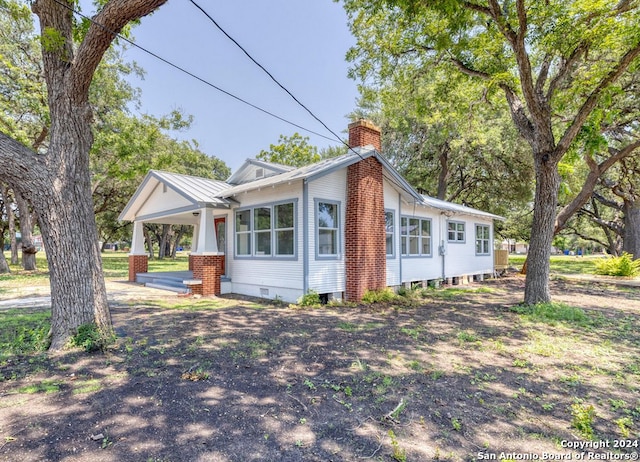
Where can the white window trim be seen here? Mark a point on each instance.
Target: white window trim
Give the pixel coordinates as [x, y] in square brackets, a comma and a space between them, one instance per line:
[464, 232]
[338, 229]
[253, 233]
[404, 249]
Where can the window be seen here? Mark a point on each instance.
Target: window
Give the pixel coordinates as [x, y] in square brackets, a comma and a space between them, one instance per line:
[266, 231]
[243, 232]
[327, 213]
[482, 239]
[416, 236]
[284, 229]
[456, 231]
[389, 228]
[262, 226]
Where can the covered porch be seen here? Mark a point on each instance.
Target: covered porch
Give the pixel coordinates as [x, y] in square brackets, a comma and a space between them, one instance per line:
[173, 199]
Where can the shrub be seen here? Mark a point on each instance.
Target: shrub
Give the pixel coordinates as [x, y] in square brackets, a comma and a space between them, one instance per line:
[311, 298]
[582, 417]
[377, 296]
[91, 338]
[624, 265]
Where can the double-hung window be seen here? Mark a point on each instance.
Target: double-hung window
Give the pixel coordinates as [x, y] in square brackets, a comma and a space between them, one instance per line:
[415, 236]
[243, 232]
[262, 233]
[482, 239]
[284, 228]
[456, 231]
[328, 228]
[266, 231]
[389, 230]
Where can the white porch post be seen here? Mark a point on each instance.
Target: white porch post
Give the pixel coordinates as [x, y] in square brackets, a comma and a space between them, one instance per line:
[207, 243]
[194, 244]
[137, 241]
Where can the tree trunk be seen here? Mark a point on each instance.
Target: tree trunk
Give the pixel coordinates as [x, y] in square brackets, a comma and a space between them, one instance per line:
[149, 241]
[26, 233]
[631, 238]
[443, 176]
[11, 218]
[181, 231]
[4, 265]
[544, 214]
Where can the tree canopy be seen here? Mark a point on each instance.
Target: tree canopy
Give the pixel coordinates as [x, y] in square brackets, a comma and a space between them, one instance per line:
[558, 66]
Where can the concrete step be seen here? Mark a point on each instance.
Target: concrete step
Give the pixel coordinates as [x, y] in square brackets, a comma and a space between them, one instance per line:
[171, 288]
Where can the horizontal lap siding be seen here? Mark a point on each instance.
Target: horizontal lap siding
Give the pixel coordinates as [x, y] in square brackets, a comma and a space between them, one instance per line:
[268, 272]
[327, 276]
[462, 258]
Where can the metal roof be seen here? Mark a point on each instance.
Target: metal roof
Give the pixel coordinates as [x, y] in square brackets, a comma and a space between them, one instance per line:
[457, 208]
[201, 190]
[198, 191]
[326, 166]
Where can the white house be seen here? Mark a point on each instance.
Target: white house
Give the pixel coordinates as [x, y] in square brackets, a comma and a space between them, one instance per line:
[339, 227]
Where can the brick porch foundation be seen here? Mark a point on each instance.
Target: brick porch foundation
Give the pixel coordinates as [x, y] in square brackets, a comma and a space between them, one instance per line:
[137, 264]
[208, 269]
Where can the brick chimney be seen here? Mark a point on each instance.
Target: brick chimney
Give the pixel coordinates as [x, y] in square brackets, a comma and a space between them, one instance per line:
[363, 133]
[365, 236]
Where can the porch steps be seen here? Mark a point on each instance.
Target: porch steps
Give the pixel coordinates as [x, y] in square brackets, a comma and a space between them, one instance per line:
[170, 282]
[179, 290]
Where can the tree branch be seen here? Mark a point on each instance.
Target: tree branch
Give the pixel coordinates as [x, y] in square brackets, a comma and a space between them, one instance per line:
[595, 172]
[591, 101]
[109, 21]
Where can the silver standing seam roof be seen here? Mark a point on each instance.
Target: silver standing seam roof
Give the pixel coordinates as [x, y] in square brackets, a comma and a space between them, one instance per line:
[203, 191]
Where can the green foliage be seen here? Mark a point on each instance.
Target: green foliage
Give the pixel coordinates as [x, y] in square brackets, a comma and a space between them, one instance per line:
[293, 150]
[379, 296]
[582, 418]
[624, 265]
[399, 454]
[554, 313]
[311, 298]
[91, 338]
[23, 332]
[52, 40]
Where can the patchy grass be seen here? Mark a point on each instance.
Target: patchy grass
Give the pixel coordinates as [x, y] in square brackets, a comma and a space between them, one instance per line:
[448, 375]
[564, 264]
[23, 331]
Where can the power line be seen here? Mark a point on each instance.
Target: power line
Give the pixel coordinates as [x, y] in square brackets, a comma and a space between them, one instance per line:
[191, 74]
[270, 75]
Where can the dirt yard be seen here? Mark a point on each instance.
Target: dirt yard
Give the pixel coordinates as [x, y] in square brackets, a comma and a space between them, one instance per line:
[456, 375]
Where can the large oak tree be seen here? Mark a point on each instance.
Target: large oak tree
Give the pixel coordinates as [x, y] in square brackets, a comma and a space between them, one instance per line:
[58, 181]
[556, 63]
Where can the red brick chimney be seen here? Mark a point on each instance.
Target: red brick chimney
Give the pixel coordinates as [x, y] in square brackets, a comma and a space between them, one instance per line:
[365, 237]
[363, 133]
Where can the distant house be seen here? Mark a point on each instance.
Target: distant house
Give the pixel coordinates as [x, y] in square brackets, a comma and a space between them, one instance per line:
[339, 227]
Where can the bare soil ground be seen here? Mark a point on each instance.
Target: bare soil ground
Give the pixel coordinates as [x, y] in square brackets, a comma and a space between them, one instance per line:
[456, 375]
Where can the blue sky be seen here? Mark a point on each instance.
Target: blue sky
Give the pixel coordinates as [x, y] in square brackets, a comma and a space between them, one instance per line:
[302, 43]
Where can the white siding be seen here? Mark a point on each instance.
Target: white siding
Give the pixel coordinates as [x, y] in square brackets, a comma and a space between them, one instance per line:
[280, 277]
[162, 198]
[461, 257]
[327, 276]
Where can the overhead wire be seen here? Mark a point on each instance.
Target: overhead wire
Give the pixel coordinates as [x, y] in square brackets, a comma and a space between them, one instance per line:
[191, 74]
[215, 23]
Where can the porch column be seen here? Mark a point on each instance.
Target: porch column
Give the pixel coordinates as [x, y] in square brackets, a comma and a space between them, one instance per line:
[194, 245]
[206, 261]
[138, 258]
